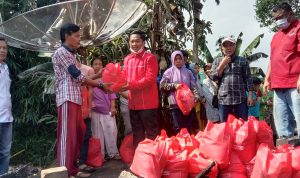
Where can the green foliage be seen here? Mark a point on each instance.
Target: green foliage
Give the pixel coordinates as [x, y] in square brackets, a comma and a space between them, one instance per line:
[263, 10]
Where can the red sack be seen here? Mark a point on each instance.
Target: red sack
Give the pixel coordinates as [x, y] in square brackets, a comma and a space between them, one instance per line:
[197, 163]
[185, 99]
[272, 163]
[296, 159]
[186, 141]
[236, 169]
[113, 74]
[150, 158]
[199, 135]
[244, 139]
[249, 167]
[95, 158]
[144, 161]
[177, 165]
[85, 105]
[216, 143]
[264, 133]
[296, 174]
[127, 150]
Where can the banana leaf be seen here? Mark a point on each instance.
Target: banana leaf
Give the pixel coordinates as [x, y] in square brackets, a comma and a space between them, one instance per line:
[248, 51]
[256, 56]
[239, 42]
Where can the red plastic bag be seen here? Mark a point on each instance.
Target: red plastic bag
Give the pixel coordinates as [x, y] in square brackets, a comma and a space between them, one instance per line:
[95, 158]
[113, 74]
[127, 149]
[197, 163]
[236, 168]
[264, 133]
[144, 161]
[272, 163]
[296, 159]
[244, 138]
[85, 105]
[249, 167]
[199, 135]
[177, 165]
[185, 99]
[186, 141]
[150, 158]
[296, 174]
[216, 143]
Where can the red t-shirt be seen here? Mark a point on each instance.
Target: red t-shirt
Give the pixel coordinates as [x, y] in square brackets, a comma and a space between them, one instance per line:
[285, 57]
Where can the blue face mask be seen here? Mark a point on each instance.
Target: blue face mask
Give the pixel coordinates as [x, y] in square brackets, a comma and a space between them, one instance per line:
[283, 23]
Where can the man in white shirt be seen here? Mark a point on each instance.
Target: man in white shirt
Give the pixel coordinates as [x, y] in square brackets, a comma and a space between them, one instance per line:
[6, 117]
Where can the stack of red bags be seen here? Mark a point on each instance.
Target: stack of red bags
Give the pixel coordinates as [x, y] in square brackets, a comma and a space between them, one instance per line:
[240, 149]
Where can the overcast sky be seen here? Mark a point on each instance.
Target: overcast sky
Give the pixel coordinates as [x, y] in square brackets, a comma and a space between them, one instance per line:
[232, 17]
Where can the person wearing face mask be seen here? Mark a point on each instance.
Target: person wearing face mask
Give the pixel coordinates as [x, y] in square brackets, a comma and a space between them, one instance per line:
[283, 74]
[141, 69]
[233, 75]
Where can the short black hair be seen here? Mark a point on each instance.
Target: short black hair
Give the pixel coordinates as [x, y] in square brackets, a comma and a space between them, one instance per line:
[3, 39]
[139, 32]
[68, 28]
[101, 58]
[283, 6]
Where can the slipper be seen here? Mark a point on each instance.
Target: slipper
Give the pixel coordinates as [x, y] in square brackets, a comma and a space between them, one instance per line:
[88, 169]
[82, 175]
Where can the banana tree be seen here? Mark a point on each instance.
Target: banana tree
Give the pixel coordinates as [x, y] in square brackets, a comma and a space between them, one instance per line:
[247, 53]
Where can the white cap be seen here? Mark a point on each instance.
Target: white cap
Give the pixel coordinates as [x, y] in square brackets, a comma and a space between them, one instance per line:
[230, 39]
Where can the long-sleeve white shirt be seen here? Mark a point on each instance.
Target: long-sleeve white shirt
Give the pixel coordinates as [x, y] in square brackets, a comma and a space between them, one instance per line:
[5, 97]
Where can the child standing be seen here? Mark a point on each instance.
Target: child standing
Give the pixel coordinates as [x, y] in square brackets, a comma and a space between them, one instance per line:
[256, 96]
[103, 117]
[171, 80]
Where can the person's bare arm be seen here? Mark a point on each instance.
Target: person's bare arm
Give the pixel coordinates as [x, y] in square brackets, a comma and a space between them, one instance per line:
[222, 65]
[267, 82]
[124, 94]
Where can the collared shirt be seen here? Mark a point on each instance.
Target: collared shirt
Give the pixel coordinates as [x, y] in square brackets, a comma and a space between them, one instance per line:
[285, 57]
[67, 88]
[5, 98]
[141, 70]
[235, 80]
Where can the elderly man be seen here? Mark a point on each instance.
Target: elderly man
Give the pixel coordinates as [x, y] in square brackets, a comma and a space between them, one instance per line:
[6, 117]
[283, 75]
[233, 76]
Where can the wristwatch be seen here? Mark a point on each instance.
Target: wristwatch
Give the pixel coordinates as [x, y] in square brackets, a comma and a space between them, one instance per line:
[101, 86]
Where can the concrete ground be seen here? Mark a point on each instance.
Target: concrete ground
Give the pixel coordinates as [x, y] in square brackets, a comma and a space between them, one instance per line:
[113, 169]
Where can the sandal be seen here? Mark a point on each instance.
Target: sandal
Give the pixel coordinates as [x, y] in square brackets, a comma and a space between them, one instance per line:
[86, 169]
[82, 175]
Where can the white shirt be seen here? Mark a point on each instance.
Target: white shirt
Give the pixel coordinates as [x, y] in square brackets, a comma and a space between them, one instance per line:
[5, 98]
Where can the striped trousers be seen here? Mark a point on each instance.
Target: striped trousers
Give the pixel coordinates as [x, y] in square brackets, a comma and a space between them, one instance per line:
[69, 135]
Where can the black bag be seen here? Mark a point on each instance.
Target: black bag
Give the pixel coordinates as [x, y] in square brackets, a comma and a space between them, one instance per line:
[215, 101]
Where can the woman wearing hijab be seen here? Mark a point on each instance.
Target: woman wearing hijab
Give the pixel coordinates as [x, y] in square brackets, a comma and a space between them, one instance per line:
[171, 80]
[199, 107]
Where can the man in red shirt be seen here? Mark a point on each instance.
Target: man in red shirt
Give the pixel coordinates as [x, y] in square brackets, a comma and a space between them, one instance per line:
[141, 68]
[283, 75]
